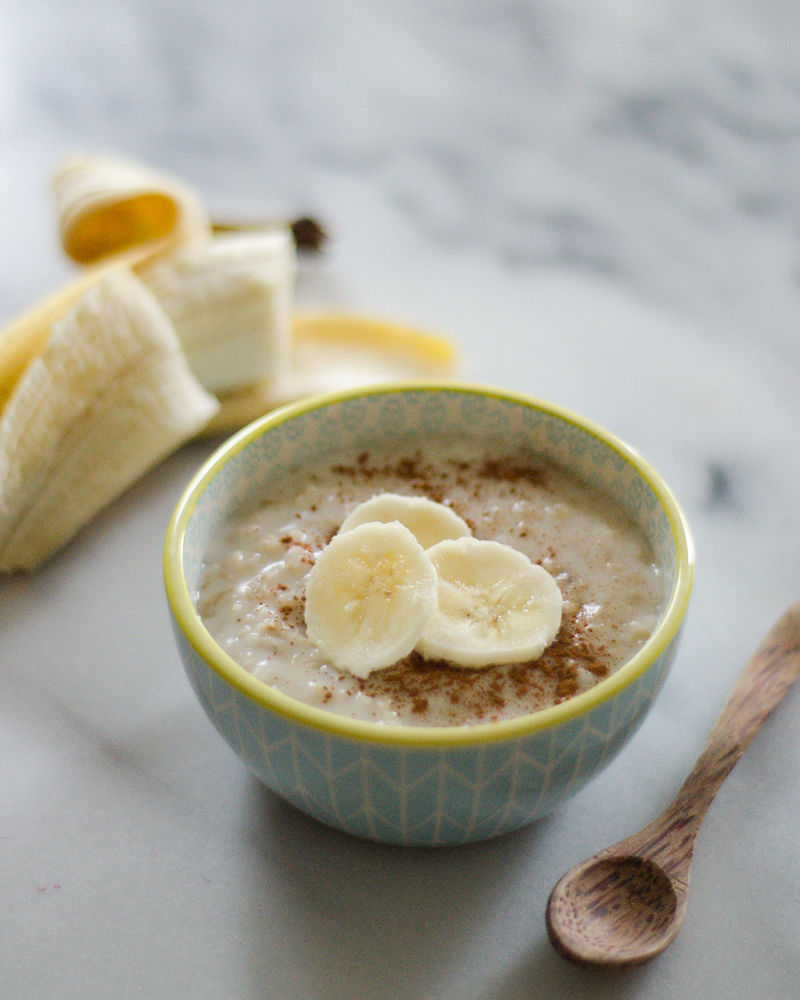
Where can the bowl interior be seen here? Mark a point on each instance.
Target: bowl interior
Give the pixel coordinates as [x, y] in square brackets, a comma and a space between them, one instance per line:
[272, 456]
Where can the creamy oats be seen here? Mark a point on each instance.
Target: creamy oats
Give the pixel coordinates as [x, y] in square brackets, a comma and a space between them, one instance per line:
[252, 590]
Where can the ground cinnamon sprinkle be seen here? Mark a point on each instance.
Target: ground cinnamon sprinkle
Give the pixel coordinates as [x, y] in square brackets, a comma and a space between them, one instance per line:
[511, 471]
[484, 692]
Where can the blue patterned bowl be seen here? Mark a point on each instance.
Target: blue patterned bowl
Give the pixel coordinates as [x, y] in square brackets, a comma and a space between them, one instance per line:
[403, 784]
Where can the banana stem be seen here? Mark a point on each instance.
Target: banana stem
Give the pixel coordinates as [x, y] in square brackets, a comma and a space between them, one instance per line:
[309, 235]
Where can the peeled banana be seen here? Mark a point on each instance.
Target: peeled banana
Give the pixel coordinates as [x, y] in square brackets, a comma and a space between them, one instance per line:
[109, 396]
[230, 302]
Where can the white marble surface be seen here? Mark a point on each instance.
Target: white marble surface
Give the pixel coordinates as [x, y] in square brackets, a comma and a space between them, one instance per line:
[599, 203]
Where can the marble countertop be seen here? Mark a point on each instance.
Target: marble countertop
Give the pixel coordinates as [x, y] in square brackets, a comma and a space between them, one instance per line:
[599, 204]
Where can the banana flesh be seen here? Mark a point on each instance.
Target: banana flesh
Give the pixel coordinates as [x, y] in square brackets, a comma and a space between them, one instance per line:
[231, 303]
[109, 396]
[493, 605]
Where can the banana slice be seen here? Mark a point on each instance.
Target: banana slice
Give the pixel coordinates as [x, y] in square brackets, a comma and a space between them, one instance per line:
[428, 521]
[231, 304]
[369, 596]
[108, 397]
[493, 605]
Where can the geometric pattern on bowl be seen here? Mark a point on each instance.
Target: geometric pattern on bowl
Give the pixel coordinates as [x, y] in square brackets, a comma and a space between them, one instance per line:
[418, 795]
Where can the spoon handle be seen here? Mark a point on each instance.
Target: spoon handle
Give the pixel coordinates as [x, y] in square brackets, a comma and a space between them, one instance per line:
[626, 904]
[774, 667]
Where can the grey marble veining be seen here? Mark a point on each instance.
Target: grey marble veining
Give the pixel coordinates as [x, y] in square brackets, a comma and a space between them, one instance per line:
[659, 142]
[599, 204]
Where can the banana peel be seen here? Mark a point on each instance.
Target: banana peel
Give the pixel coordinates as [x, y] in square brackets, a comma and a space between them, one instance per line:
[110, 395]
[106, 205]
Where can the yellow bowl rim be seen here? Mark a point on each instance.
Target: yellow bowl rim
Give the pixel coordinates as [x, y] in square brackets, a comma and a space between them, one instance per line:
[226, 667]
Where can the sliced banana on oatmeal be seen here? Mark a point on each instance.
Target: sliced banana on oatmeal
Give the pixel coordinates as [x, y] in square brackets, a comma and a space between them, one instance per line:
[369, 596]
[428, 521]
[493, 605]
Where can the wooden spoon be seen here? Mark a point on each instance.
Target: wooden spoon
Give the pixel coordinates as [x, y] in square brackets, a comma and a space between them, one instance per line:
[626, 904]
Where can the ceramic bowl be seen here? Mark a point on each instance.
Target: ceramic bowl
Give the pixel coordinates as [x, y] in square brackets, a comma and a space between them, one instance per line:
[404, 784]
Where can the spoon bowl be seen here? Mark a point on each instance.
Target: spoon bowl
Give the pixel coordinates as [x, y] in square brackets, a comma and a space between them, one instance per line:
[627, 899]
[626, 904]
